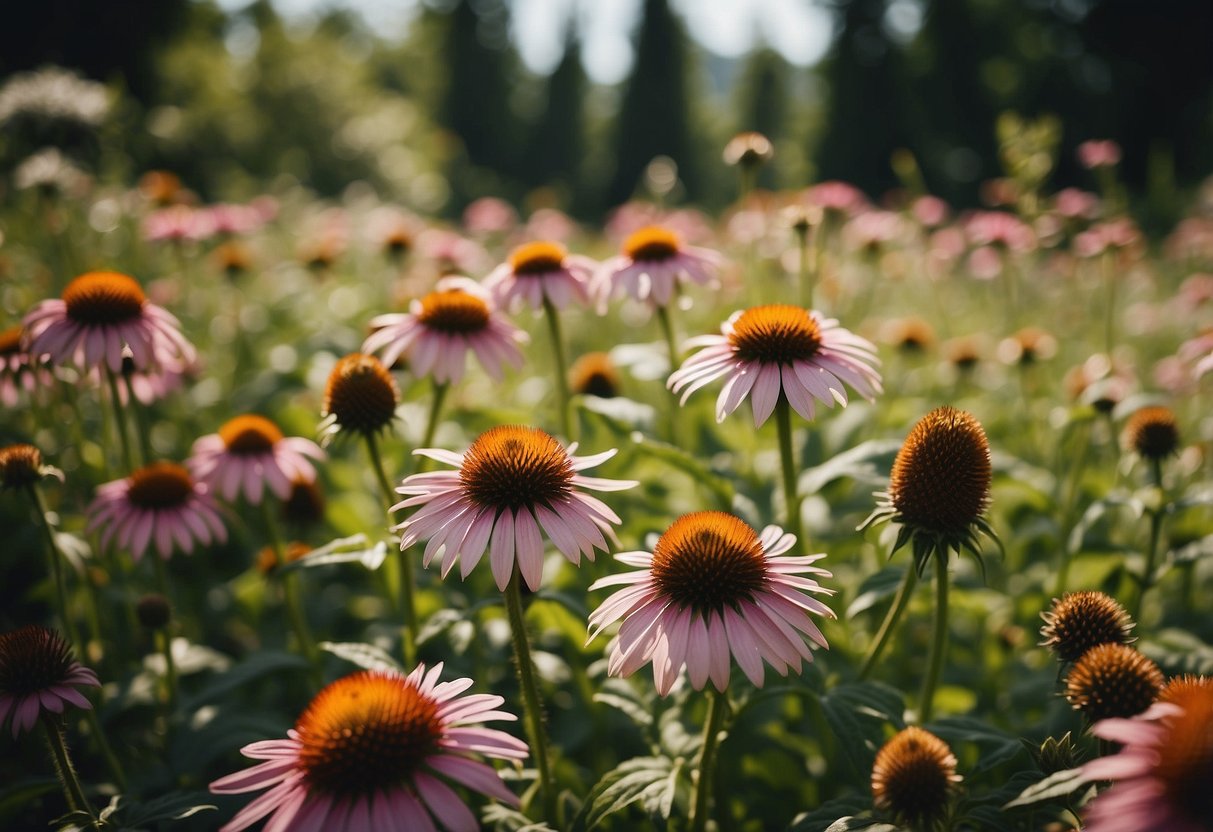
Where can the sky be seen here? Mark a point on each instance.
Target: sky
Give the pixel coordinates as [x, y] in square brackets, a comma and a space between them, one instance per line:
[798, 29]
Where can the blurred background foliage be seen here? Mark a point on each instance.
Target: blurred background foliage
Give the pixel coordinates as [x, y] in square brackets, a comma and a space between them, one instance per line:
[233, 99]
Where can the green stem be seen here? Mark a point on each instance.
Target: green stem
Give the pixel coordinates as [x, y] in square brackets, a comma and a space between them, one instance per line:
[717, 706]
[1109, 273]
[530, 696]
[1147, 577]
[900, 602]
[72, 788]
[431, 425]
[671, 342]
[939, 641]
[408, 587]
[55, 556]
[562, 372]
[787, 458]
[107, 751]
[164, 637]
[128, 455]
[290, 588]
[1067, 512]
[804, 278]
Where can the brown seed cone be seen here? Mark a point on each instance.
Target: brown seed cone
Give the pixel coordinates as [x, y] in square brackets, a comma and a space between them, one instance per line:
[361, 394]
[20, 466]
[1082, 620]
[941, 476]
[913, 777]
[1152, 432]
[1113, 680]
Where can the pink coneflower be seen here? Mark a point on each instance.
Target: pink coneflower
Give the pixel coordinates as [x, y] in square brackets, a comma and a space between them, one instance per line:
[1076, 204]
[872, 232]
[489, 215]
[713, 587]
[158, 503]
[248, 455]
[538, 271]
[452, 253]
[37, 672]
[512, 482]
[1161, 776]
[836, 197]
[768, 350]
[376, 751]
[930, 211]
[177, 224]
[18, 372]
[441, 328]
[151, 384]
[1098, 153]
[97, 315]
[231, 219]
[1000, 230]
[653, 263]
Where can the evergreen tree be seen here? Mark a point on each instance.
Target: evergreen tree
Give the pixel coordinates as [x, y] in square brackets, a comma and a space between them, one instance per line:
[558, 141]
[761, 100]
[654, 118]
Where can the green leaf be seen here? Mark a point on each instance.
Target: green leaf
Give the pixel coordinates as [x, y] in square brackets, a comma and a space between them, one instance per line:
[857, 713]
[832, 811]
[677, 458]
[875, 589]
[858, 463]
[1178, 651]
[255, 666]
[644, 779]
[867, 824]
[355, 549]
[997, 747]
[364, 655]
[1058, 784]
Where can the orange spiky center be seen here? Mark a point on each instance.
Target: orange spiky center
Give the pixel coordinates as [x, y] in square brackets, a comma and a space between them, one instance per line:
[537, 258]
[775, 334]
[454, 311]
[101, 298]
[913, 777]
[941, 476]
[652, 243]
[510, 467]
[709, 560]
[160, 485]
[361, 394]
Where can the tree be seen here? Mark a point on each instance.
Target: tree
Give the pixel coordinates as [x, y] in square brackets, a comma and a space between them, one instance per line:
[558, 138]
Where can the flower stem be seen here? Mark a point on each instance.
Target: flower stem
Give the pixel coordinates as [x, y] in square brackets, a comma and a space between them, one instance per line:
[290, 588]
[1069, 503]
[124, 440]
[107, 751]
[717, 707]
[900, 602]
[671, 342]
[804, 277]
[530, 696]
[939, 641]
[72, 788]
[431, 425]
[787, 458]
[1147, 576]
[1109, 275]
[56, 557]
[408, 584]
[562, 371]
[164, 638]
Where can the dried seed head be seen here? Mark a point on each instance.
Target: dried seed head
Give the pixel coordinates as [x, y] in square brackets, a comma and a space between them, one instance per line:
[913, 778]
[594, 374]
[1152, 432]
[941, 476]
[153, 611]
[1113, 680]
[20, 466]
[1082, 620]
[361, 394]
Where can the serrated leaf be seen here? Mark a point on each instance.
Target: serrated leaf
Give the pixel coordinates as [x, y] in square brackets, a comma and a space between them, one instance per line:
[632, 781]
[367, 656]
[857, 713]
[1058, 784]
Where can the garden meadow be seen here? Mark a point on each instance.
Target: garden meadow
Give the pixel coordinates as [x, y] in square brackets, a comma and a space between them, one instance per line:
[818, 514]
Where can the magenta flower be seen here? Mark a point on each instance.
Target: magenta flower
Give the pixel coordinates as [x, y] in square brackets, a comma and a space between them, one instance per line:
[1161, 775]
[37, 672]
[766, 351]
[1098, 153]
[653, 263]
[98, 314]
[18, 371]
[248, 455]
[712, 589]
[512, 482]
[158, 503]
[538, 271]
[177, 224]
[376, 751]
[441, 328]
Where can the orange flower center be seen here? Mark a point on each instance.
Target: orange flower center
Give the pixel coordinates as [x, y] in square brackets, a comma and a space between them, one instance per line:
[775, 334]
[10, 340]
[1185, 757]
[101, 298]
[365, 733]
[454, 311]
[250, 434]
[160, 485]
[513, 466]
[941, 476]
[913, 776]
[361, 393]
[652, 243]
[537, 258]
[709, 560]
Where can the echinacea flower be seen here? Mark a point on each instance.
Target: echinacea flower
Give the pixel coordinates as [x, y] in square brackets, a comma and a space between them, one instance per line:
[248, 455]
[512, 482]
[1079, 621]
[1160, 778]
[914, 777]
[376, 751]
[1152, 433]
[654, 262]
[21, 466]
[1113, 680]
[360, 396]
[749, 149]
[159, 503]
[594, 374]
[439, 330]
[768, 351]
[97, 315]
[37, 673]
[19, 371]
[712, 590]
[539, 271]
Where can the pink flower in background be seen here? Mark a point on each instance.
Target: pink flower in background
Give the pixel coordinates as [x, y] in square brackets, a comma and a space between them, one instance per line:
[689, 224]
[1107, 236]
[839, 197]
[540, 271]
[227, 218]
[378, 751]
[489, 215]
[249, 455]
[178, 223]
[713, 590]
[440, 329]
[159, 503]
[453, 254]
[1076, 204]
[653, 264]
[1000, 230]
[872, 231]
[768, 351]
[1098, 153]
[98, 315]
[512, 482]
[37, 673]
[550, 224]
[18, 371]
[930, 211]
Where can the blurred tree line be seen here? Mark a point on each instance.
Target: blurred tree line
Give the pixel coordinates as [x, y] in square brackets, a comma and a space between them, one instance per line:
[449, 113]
